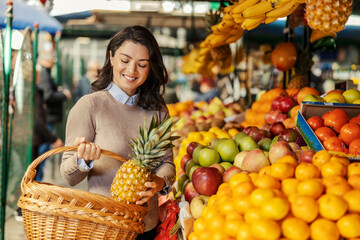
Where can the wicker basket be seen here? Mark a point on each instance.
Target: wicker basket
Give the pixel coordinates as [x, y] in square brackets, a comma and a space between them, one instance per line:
[56, 212]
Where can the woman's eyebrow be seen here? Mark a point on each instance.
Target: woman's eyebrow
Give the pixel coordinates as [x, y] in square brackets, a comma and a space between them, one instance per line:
[131, 57]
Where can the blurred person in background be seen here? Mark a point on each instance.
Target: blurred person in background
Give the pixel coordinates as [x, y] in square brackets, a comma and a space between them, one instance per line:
[54, 97]
[84, 85]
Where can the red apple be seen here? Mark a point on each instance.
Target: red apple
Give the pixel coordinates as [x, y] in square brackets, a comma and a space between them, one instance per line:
[219, 167]
[191, 147]
[307, 156]
[276, 103]
[276, 128]
[190, 193]
[289, 135]
[254, 161]
[278, 150]
[230, 172]
[286, 103]
[275, 116]
[206, 180]
[250, 129]
[184, 161]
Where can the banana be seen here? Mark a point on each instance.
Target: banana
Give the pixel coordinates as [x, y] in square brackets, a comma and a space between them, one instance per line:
[301, 1]
[229, 8]
[218, 40]
[251, 23]
[244, 5]
[234, 38]
[222, 27]
[270, 20]
[258, 9]
[277, 2]
[227, 17]
[283, 10]
[238, 19]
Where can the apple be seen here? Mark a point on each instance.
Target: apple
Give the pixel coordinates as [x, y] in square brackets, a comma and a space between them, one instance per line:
[190, 193]
[258, 134]
[278, 150]
[206, 180]
[307, 156]
[249, 129]
[191, 147]
[188, 167]
[273, 141]
[275, 116]
[294, 146]
[219, 167]
[192, 171]
[218, 143]
[208, 156]
[228, 150]
[254, 161]
[198, 204]
[229, 173]
[226, 165]
[196, 153]
[239, 158]
[180, 182]
[276, 103]
[200, 119]
[276, 128]
[289, 135]
[298, 153]
[266, 127]
[248, 143]
[239, 136]
[184, 161]
[312, 98]
[285, 103]
[264, 144]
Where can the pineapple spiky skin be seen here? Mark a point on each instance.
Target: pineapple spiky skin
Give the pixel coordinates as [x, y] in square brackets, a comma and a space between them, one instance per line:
[147, 152]
[328, 15]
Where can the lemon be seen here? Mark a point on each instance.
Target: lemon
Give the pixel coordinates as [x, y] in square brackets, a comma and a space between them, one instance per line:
[351, 95]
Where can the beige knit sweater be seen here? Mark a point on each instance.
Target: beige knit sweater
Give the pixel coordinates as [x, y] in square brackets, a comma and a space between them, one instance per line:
[103, 120]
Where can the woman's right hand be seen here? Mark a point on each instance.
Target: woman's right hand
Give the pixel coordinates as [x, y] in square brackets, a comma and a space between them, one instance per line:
[87, 150]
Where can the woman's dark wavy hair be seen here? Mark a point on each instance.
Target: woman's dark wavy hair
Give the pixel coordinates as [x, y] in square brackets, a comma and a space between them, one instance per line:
[152, 90]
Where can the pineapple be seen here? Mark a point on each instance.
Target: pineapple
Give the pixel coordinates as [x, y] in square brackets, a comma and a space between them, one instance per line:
[328, 15]
[302, 69]
[147, 152]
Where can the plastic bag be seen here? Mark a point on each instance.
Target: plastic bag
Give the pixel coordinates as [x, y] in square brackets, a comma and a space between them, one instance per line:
[163, 231]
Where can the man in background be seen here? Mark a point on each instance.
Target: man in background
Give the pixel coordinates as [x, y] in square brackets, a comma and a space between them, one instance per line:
[84, 86]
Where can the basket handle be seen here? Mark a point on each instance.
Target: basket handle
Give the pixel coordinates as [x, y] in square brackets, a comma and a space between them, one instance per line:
[31, 170]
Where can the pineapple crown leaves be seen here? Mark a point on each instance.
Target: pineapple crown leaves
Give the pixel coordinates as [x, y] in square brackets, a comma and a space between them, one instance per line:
[150, 146]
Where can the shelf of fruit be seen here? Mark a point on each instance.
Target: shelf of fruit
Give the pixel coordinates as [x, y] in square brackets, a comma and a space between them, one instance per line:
[261, 181]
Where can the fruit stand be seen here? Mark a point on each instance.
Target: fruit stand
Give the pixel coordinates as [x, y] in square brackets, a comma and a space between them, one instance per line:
[285, 166]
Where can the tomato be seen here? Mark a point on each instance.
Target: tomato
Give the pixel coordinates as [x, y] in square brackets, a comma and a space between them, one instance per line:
[284, 56]
[354, 147]
[355, 120]
[349, 132]
[324, 115]
[334, 144]
[315, 122]
[336, 119]
[324, 133]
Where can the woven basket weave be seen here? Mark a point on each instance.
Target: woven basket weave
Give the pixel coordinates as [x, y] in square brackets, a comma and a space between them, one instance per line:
[56, 212]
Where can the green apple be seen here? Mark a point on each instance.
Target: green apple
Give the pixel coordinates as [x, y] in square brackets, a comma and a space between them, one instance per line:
[208, 156]
[264, 144]
[188, 167]
[180, 182]
[239, 158]
[226, 165]
[273, 141]
[248, 143]
[351, 95]
[192, 170]
[312, 98]
[196, 152]
[228, 150]
[237, 137]
[218, 143]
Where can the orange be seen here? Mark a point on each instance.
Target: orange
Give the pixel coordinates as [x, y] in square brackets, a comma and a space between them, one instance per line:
[244, 188]
[353, 168]
[252, 214]
[260, 195]
[235, 215]
[267, 181]
[264, 170]
[339, 189]
[322, 229]
[217, 222]
[231, 226]
[311, 188]
[304, 208]
[333, 168]
[295, 228]
[282, 170]
[289, 186]
[239, 178]
[333, 180]
[332, 207]
[349, 225]
[200, 225]
[195, 136]
[265, 229]
[205, 235]
[353, 200]
[343, 160]
[209, 213]
[242, 204]
[279, 193]
[233, 131]
[306, 171]
[354, 181]
[224, 190]
[288, 159]
[244, 232]
[306, 91]
[226, 205]
[211, 200]
[193, 235]
[320, 158]
[253, 176]
[275, 208]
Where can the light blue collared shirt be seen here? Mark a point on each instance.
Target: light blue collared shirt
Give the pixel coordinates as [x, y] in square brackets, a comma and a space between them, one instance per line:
[121, 97]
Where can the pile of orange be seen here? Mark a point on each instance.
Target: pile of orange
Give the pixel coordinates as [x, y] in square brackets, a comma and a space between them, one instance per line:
[287, 200]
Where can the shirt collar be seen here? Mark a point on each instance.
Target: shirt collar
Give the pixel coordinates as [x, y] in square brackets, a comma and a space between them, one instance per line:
[120, 95]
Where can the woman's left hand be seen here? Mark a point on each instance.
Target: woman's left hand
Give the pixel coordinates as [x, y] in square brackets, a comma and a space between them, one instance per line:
[157, 183]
